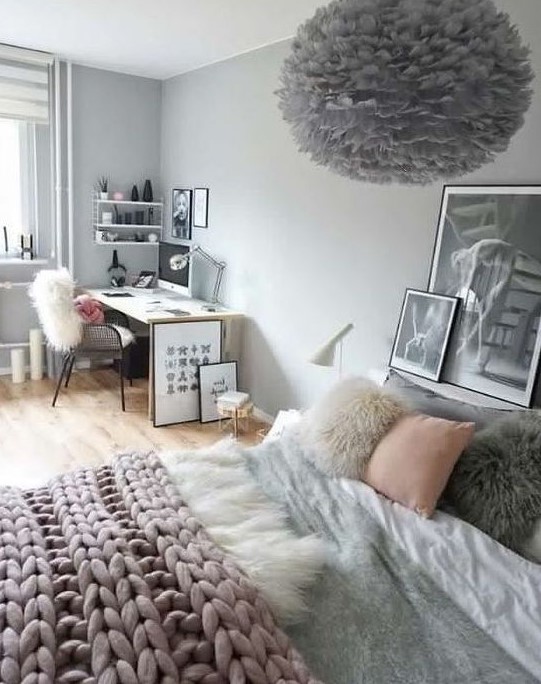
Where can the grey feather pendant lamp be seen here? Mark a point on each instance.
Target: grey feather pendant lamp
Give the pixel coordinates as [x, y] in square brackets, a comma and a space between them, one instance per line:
[408, 91]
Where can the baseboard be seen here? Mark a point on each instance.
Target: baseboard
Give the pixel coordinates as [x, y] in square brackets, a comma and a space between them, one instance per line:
[262, 416]
[83, 364]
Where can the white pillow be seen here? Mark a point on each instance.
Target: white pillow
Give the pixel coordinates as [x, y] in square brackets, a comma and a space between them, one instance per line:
[344, 427]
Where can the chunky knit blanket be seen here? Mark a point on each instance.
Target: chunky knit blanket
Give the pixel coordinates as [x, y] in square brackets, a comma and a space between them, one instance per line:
[106, 577]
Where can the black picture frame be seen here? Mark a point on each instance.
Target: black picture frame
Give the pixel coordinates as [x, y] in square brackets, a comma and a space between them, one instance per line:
[204, 222]
[205, 416]
[487, 252]
[423, 333]
[181, 213]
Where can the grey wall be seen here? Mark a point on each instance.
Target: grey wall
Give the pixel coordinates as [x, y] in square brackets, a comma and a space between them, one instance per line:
[116, 132]
[307, 251]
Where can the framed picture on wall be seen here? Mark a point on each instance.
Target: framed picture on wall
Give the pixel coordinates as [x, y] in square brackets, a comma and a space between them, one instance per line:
[201, 207]
[179, 350]
[423, 333]
[215, 379]
[181, 214]
[488, 253]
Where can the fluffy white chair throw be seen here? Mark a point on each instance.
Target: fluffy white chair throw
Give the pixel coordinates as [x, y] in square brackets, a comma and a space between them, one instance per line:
[52, 293]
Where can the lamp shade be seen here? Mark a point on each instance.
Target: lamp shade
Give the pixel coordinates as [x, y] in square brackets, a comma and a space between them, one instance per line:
[325, 355]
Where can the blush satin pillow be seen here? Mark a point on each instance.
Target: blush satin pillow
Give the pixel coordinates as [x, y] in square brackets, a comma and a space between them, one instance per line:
[412, 463]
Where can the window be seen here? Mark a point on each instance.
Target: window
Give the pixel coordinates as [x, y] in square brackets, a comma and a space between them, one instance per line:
[17, 181]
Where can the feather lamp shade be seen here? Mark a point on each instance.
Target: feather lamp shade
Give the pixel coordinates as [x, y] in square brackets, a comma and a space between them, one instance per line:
[410, 91]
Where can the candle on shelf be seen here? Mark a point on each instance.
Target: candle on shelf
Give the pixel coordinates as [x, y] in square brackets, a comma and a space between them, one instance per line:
[36, 354]
[18, 373]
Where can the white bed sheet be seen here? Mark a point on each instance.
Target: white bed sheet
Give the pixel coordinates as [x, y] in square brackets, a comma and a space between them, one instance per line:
[499, 590]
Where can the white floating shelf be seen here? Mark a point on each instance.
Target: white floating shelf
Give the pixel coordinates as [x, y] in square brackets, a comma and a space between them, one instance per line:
[127, 242]
[131, 226]
[130, 203]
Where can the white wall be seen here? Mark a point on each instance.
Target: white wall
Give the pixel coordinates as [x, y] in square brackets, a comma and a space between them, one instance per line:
[116, 132]
[308, 250]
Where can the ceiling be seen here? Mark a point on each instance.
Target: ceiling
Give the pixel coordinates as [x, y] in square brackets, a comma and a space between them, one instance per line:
[156, 38]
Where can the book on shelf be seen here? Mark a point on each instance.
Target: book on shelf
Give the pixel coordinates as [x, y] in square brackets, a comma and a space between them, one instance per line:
[233, 399]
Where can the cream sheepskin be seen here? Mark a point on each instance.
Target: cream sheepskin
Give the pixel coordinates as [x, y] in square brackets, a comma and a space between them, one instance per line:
[344, 428]
[52, 293]
[222, 494]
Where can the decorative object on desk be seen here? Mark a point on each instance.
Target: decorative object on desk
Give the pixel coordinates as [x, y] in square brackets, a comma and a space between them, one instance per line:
[118, 196]
[36, 353]
[148, 195]
[215, 379]
[27, 247]
[181, 261]
[200, 207]
[359, 106]
[181, 214]
[153, 237]
[423, 333]
[128, 218]
[134, 194]
[325, 356]
[107, 218]
[488, 254]
[144, 280]
[18, 366]
[139, 218]
[102, 187]
[179, 348]
[117, 271]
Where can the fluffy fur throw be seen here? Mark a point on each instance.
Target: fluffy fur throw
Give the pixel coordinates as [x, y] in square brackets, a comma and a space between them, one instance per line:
[218, 488]
[106, 577]
[52, 294]
[496, 484]
[345, 427]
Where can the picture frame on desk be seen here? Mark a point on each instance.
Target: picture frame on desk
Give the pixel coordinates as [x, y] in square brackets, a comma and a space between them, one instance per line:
[178, 350]
[215, 379]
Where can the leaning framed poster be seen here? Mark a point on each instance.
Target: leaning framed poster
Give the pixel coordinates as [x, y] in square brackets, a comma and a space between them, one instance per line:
[488, 254]
[178, 350]
[215, 379]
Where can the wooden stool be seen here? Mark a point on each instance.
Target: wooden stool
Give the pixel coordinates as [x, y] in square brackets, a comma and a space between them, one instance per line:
[235, 414]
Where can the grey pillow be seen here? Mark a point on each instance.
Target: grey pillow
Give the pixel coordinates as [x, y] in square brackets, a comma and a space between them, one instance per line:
[433, 404]
[496, 484]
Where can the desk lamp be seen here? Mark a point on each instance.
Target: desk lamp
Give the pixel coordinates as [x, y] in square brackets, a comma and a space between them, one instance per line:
[180, 261]
[326, 355]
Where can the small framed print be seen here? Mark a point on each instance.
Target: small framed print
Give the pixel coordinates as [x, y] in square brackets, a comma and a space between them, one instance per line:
[215, 379]
[201, 207]
[423, 334]
[181, 214]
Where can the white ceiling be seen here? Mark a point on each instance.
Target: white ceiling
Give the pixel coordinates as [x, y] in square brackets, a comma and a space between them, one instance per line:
[156, 38]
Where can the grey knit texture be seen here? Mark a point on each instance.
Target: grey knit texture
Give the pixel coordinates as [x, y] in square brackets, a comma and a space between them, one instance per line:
[106, 578]
[406, 90]
[496, 484]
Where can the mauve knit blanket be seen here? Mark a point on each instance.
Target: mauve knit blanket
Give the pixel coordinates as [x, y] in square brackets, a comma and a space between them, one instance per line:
[106, 577]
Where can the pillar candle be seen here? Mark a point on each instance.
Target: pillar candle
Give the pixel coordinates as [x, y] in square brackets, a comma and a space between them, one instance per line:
[36, 354]
[18, 373]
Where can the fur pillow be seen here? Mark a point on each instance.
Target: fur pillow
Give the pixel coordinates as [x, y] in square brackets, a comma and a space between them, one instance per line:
[344, 428]
[496, 484]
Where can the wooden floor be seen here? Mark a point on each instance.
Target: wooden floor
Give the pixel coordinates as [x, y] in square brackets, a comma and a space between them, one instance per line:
[86, 427]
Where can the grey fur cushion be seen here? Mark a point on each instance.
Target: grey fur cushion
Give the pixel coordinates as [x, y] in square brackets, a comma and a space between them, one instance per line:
[496, 484]
[344, 428]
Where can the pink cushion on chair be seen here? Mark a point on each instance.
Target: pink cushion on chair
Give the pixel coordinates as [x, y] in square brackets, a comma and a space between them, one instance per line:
[412, 463]
[90, 310]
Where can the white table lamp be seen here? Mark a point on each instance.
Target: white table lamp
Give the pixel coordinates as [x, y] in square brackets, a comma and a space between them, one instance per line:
[326, 355]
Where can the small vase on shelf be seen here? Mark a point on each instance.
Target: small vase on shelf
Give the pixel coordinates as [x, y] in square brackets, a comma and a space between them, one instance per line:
[147, 191]
[134, 194]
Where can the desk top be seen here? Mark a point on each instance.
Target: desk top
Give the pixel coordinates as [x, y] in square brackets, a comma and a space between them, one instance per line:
[158, 306]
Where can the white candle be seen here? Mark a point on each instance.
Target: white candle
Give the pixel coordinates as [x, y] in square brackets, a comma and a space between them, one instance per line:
[18, 373]
[36, 354]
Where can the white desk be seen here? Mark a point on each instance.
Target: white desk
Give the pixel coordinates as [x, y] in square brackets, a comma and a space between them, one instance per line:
[158, 308]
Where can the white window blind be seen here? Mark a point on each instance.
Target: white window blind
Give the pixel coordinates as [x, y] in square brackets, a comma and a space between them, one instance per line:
[24, 84]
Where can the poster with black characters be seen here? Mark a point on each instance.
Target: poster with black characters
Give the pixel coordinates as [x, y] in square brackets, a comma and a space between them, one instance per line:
[179, 350]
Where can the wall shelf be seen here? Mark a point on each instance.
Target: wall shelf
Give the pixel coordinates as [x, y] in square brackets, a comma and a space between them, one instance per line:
[149, 212]
[129, 203]
[116, 243]
[129, 226]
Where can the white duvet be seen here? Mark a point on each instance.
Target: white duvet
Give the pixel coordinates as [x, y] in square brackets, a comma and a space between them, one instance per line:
[499, 590]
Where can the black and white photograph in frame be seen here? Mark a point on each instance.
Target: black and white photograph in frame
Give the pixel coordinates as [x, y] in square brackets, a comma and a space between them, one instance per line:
[423, 333]
[179, 349]
[181, 214]
[201, 207]
[488, 253]
[215, 379]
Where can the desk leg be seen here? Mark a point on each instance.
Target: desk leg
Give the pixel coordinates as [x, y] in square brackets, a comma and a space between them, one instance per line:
[151, 374]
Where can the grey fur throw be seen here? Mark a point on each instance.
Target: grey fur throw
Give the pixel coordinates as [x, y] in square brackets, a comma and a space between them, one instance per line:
[406, 90]
[496, 484]
[106, 578]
